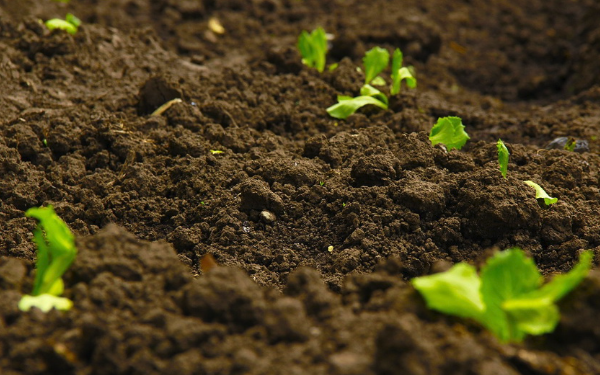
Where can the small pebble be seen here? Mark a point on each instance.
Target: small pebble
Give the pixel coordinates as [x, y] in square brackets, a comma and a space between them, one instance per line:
[267, 216]
[560, 143]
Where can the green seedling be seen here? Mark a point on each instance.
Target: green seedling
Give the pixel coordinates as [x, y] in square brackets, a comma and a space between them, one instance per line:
[376, 60]
[508, 297]
[313, 48]
[541, 193]
[55, 254]
[347, 105]
[216, 152]
[503, 155]
[69, 24]
[400, 73]
[449, 131]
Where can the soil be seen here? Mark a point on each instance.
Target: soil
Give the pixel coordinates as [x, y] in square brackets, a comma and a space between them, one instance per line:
[317, 224]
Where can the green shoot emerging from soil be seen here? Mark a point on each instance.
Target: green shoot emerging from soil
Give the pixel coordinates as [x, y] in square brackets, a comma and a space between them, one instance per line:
[347, 105]
[375, 61]
[69, 24]
[449, 131]
[503, 155]
[313, 48]
[508, 297]
[541, 193]
[56, 252]
[399, 73]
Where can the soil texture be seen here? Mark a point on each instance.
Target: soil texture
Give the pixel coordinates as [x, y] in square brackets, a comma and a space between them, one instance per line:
[317, 224]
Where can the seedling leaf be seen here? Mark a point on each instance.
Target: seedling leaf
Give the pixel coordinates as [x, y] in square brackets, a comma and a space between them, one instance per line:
[399, 73]
[503, 155]
[348, 105]
[450, 131]
[45, 302]
[375, 61]
[56, 252]
[541, 193]
[313, 48]
[69, 24]
[455, 292]
[507, 298]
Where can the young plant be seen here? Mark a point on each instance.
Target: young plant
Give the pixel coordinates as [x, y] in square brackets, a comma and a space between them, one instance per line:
[400, 73]
[347, 105]
[508, 297]
[449, 131]
[69, 24]
[503, 155]
[376, 60]
[541, 193]
[313, 48]
[56, 252]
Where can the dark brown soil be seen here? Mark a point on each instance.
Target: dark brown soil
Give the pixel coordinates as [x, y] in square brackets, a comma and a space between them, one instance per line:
[147, 199]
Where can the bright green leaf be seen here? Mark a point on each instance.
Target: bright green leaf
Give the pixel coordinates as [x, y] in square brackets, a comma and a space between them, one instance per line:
[454, 292]
[399, 73]
[347, 105]
[70, 18]
[378, 81]
[45, 302]
[541, 193]
[56, 250]
[449, 131]
[313, 48]
[57, 23]
[506, 275]
[375, 61]
[368, 90]
[508, 297]
[503, 155]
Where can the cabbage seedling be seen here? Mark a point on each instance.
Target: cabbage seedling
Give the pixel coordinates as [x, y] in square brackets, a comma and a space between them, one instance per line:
[508, 297]
[541, 193]
[69, 24]
[449, 131]
[313, 48]
[503, 155]
[375, 61]
[56, 252]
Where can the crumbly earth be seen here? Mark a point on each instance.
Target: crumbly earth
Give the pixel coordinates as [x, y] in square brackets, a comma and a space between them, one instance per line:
[317, 224]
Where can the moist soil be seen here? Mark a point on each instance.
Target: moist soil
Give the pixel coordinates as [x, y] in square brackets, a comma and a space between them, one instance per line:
[317, 224]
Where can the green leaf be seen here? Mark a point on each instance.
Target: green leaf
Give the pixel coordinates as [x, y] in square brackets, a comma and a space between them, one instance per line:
[399, 73]
[375, 61]
[313, 48]
[503, 155]
[541, 193]
[348, 105]
[56, 250]
[333, 67]
[561, 285]
[450, 131]
[378, 81]
[454, 292]
[506, 275]
[508, 297]
[45, 302]
[70, 18]
[57, 23]
[368, 90]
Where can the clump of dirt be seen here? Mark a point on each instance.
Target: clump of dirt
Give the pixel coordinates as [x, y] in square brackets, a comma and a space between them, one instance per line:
[317, 224]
